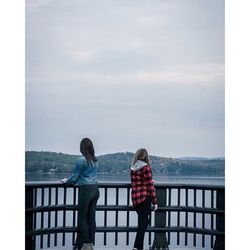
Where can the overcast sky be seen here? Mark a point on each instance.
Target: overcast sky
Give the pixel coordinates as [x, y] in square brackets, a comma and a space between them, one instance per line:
[127, 74]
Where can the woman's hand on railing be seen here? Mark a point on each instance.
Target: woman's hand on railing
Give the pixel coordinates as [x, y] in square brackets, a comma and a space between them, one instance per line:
[155, 207]
[63, 180]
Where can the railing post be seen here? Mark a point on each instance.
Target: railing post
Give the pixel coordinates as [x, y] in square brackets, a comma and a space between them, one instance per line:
[29, 240]
[160, 239]
[220, 220]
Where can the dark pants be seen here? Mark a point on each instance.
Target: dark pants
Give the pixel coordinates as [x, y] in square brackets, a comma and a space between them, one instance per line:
[87, 199]
[143, 211]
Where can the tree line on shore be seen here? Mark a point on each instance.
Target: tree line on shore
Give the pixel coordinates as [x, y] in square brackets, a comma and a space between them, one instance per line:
[119, 163]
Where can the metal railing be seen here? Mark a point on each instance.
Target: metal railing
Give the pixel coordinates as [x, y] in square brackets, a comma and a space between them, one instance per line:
[185, 212]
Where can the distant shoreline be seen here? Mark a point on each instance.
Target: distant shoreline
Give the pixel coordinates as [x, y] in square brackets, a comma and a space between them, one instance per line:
[119, 164]
[119, 174]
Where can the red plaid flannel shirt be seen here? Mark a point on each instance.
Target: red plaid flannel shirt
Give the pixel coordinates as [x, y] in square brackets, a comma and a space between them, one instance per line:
[142, 185]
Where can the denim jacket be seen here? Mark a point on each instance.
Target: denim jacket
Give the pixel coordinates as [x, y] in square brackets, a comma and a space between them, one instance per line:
[84, 173]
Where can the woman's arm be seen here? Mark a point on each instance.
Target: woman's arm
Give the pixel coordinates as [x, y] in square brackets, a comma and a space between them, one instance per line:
[75, 174]
[147, 172]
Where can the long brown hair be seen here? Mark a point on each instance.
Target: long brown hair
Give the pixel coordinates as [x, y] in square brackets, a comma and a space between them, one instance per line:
[87, 149]
[142, 155]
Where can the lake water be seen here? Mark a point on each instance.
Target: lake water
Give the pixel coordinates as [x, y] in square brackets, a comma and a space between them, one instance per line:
[122, 215]
[125, 178]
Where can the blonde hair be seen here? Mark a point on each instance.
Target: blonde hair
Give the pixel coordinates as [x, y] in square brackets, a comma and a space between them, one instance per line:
[142, 155]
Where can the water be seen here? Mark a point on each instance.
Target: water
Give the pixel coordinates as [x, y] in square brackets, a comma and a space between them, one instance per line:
[126, 178]
[122, 215]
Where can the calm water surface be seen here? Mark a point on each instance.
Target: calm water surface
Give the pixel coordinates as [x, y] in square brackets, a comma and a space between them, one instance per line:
[126, 178]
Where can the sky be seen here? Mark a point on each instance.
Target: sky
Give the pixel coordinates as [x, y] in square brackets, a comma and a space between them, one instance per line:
[127, 74]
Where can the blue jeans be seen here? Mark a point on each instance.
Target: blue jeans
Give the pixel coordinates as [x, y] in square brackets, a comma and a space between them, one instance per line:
[87, 200]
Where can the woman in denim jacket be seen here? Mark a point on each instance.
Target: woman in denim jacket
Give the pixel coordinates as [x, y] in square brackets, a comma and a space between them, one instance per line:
[85, 176]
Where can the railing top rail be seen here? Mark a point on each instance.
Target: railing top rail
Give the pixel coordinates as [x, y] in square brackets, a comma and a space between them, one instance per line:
[37, 184]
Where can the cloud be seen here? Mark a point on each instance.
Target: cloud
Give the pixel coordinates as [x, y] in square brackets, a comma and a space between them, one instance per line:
[188, 74]
[152, 20]
[208, 74]
[119, 42]
[83, 55]
[33, 5]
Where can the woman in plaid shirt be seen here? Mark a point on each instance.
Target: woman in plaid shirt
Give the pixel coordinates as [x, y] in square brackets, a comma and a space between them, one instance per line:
[143, 193]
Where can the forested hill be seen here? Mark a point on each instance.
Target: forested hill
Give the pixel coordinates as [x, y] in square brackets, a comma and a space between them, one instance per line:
[119, 163]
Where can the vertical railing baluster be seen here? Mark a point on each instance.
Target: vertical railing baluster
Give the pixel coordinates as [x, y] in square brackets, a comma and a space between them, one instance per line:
[203, 217]
[195, 194]
[169, 215]
[160, 239]
[105, 214]
[42, 217]
[74, 214]
[64, 214]
[212, 217]
[194, 235]
[56, 215]
[178, 213]
[116, 216]
[35, 214]
[203, 198]
[212, 238]
[220, 220]
[128, 199]
[35, 204]
[186, 216]
[49, 218]
[29, 226]
[212, 199]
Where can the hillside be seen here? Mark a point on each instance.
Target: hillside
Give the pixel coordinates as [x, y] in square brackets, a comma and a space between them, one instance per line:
[118, 163]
